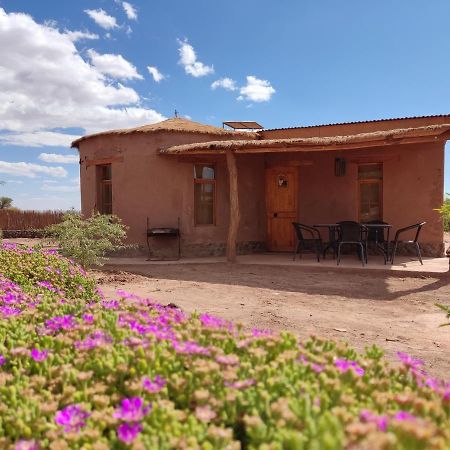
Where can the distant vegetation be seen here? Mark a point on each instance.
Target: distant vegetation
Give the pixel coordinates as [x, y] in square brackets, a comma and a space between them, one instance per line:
[445, 213]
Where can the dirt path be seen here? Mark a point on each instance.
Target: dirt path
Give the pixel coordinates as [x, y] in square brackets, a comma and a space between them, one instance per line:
[397, 314]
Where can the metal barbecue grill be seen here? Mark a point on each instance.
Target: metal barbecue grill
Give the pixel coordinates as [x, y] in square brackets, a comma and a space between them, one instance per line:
[162, 232]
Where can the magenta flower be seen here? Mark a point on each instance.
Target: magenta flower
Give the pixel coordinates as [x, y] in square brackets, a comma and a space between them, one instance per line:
[39, 356]
[127, 432]
[154, 386]
[132, 410]
[209, 321]
[409, 361]
[404, 416]
[190, 348]
[2, 360]
[58, 323]
[344, 365]
[88, 318]
[72, 418]
[369, 417]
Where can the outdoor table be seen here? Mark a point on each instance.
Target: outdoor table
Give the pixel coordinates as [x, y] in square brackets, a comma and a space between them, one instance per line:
[377, 228]
[332, 236]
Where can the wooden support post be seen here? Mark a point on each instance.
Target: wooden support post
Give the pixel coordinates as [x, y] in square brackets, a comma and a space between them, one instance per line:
[234, 206]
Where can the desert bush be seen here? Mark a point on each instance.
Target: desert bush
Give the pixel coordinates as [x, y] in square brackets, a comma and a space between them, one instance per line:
[129, 373]
[88, 240]
[444, 210]
[15, 219]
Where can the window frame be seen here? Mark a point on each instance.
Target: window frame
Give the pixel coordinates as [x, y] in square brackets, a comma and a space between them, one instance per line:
[201, 181]
[101, 183]
[366, 181]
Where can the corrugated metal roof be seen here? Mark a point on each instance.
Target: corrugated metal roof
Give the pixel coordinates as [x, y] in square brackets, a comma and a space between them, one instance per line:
[357, 122]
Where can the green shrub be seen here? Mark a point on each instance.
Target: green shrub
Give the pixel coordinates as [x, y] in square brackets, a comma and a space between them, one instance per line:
[444, 210]
[129, 373]
[87, 241]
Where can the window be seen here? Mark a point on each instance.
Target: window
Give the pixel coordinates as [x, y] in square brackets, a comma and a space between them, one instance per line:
[204, 194]
[370, 182]
[104, 189]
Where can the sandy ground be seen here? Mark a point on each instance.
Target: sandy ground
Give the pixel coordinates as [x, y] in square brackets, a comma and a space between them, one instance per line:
[396, 313]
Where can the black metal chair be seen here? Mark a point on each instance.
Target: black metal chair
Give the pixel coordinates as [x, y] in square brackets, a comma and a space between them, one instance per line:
[352, 233]
[312, 242]
[414, 241]
[377, 237]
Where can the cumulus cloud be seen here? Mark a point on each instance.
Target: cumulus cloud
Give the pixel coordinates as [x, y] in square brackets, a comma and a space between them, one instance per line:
[102, 18]
[58, 158]
[224, 83]
[75, 36]
[188, 59]
[48, 86]
[130, 10]
[256, 90]
[115, 66]
[30, 170]
[38, 139]
[155, 73]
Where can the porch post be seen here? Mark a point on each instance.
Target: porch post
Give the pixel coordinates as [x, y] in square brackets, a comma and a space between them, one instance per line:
[234, 206]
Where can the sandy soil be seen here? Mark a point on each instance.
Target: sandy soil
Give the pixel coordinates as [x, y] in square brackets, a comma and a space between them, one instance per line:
[397, 314]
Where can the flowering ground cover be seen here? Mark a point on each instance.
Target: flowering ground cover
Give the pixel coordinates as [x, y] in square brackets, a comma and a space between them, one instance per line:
[78, 370]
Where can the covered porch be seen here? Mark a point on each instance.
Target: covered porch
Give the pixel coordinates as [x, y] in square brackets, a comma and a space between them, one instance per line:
[318, 180]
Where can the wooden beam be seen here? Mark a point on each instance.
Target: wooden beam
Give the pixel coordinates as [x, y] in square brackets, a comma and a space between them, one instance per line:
[234, 207]
[97, 162]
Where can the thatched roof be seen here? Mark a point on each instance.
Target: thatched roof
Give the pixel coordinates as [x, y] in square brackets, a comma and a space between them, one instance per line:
[372, 139]
[174, 125]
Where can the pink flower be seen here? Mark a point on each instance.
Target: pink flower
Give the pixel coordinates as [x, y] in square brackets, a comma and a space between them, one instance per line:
[132, 410]
[240, 384]
[369, 417]
[72, 418]
[26, 445]
[404, 416]
[39, 356]
[409, 361]
[344, 365]
[2, 360]
[127, 432]
[154, 386]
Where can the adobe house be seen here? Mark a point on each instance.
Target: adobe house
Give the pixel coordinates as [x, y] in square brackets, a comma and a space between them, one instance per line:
[235, 191]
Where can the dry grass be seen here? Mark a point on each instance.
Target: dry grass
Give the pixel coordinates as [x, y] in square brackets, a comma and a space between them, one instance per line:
[12, 219]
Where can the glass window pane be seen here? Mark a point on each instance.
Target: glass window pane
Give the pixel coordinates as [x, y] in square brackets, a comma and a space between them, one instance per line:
[370, 202]
[204, 172]
[204, 203]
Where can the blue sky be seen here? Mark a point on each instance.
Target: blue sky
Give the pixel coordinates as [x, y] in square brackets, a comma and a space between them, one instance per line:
[280, 63]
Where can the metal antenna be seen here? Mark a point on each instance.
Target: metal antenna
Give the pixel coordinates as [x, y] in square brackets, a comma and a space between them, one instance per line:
[176, 113]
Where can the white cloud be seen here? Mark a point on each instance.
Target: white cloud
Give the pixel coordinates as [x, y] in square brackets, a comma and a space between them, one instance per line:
[225, 83]
[188, 59]
[58, 158]
[256, 90]
[47, 85]
[60, 188]
[130, 10]
[155, 73]
[38, 139]
[30, 170]
[115, 66]
[45, 202]
[75, 36]
[102, 18]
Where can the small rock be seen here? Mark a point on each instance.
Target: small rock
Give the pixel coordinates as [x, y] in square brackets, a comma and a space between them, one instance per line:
[341, 330]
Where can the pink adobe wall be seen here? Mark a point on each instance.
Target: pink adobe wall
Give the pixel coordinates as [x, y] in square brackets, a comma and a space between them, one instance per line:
[348, 129]
[146, 184]
[413, 185]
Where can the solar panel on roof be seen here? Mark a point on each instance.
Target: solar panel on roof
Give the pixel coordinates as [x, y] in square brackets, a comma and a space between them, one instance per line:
[243, 125]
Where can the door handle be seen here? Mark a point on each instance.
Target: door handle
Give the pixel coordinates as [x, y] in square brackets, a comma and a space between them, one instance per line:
[275, 214]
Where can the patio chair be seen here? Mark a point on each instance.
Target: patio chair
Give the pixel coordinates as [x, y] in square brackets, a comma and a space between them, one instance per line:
[377, 237]
[352, 233]
[313, 241]
[414, 242]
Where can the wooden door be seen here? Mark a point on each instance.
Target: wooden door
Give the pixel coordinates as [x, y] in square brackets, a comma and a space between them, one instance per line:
[281, 207]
